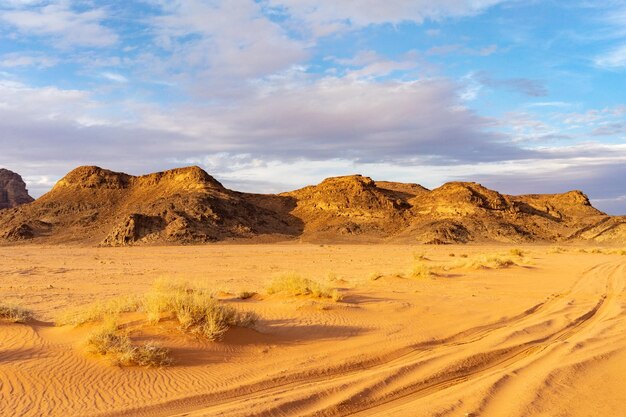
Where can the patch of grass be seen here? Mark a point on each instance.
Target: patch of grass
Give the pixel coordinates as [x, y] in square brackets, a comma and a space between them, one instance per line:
[421, 270]
[557, 249]
[420, 257]
[15, 314]
[464, 255]
[99, 311]
[452, 254]
[244, 295]
[196, 311]
[375, 276]
[517, 252]
[292, 284]
[207, 317]
[491, 261]
[108, 341]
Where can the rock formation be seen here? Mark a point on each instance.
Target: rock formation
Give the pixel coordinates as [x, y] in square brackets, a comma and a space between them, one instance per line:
[13, 190]
[95, 206]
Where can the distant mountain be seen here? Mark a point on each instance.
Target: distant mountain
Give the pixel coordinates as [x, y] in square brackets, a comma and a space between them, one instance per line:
[13, 190]
[95, 206]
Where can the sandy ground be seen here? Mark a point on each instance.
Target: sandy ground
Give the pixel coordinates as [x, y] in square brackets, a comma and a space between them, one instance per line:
[548, 339]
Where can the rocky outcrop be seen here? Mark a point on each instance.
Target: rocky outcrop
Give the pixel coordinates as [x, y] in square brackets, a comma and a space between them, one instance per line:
[13, 190]
[350, 206]
[100, 207]
[95, 206]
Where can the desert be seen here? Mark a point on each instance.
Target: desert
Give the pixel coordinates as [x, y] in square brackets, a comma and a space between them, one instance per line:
[308, 303]
[312, 208]
[538, 335]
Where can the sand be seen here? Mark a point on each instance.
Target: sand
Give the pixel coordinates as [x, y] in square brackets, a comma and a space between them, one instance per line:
[544, 339]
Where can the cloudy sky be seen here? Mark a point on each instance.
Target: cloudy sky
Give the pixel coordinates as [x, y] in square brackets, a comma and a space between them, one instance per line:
[269, 95]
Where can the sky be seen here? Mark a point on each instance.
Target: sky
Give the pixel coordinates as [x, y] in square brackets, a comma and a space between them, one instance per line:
[272, 95]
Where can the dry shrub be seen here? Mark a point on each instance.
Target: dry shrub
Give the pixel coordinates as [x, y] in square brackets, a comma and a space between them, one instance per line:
[420, 257]
[108, 341]
[196, 311]
[292, 284]
[421, 270]
[517, 252]
[205, 316]
[15, 314]
[375, 276]
[492, 261]
[99, 311]
[557, 249]
[244, 295]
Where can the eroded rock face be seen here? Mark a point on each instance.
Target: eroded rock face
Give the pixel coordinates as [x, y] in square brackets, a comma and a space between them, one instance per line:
[13, 190]
[91, 205]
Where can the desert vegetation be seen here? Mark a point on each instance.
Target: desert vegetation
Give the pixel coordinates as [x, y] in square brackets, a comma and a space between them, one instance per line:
[375, 276]
[618, 251]
[422, 270]
[99, 311]
[117, 347]
[515, 257]
[196, 311]
[14, 314]
[292, 284]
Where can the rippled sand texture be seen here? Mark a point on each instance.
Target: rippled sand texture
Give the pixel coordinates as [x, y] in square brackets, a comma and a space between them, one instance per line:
[547, 338]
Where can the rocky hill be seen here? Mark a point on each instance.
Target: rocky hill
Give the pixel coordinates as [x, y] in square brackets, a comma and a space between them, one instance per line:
[95, 206]
[13, 190]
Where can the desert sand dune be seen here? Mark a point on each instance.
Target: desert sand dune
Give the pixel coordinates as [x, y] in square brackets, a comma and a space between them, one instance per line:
[544, 338]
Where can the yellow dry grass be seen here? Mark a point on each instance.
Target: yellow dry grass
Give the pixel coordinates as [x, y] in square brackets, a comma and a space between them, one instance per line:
[14, 314]
[292, 284]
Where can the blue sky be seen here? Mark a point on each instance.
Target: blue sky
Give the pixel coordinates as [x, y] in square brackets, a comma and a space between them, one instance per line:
[270, 95]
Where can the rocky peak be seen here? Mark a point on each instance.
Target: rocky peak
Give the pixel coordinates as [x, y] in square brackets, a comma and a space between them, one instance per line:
[94, 177]
[13, 190]
[188, 179]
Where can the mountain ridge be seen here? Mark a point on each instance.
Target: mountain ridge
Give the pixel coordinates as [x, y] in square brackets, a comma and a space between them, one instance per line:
[96, 206]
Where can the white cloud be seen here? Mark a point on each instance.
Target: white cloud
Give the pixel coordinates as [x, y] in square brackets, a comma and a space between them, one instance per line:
[15, 60]
[220, 46]
[112, 76]
[61, 23]
[324, 17]
[613, 59]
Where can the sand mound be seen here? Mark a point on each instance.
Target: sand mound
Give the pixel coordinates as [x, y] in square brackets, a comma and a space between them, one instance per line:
[96, 206]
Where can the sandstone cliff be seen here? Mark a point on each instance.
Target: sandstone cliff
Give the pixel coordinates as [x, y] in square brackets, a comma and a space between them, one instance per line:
[13, 190]
[91, 205]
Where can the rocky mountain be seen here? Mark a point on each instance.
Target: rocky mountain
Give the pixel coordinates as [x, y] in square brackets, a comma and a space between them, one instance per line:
[13, 190]
[96, 206]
